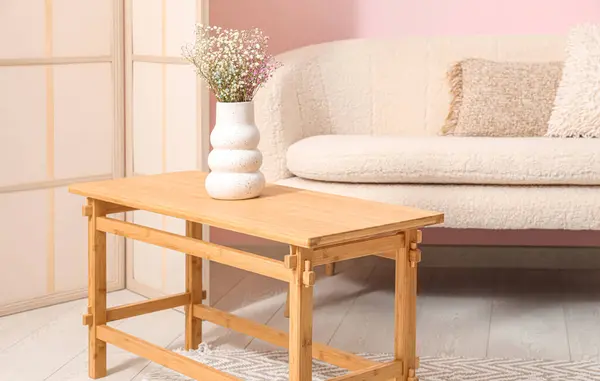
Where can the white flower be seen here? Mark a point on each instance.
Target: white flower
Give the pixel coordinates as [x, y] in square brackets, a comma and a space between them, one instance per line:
[227, 59]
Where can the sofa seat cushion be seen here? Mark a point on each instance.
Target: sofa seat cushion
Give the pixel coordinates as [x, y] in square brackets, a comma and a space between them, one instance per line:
[557, 207]
[446, 160]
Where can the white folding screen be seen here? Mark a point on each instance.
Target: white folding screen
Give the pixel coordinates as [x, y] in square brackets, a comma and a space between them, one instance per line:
[166, 124]
[61, 121]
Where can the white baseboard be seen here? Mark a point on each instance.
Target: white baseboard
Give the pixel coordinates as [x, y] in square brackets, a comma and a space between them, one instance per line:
[56, 298]
[143, 290]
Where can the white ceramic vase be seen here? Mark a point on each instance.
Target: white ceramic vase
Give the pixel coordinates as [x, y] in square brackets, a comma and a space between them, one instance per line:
[235, 160]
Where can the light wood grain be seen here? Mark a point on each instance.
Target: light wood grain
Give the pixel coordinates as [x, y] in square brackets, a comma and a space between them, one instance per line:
[118, 62]
[368, 326]
[329, 271]
[309, 277]
[380, 372]
[293, 216]
[389, 255]
[286, 308]
[50, 242]
[97, 291]
[242, 325]
[289, 261]
[163, 67]
[279, 338]
[53, 299]
[159, 328]
[540, 332]
[405, 323]
[203, 126]
[452, 324]
[256, 298]
[351, 250]
[352, 238]
[115, 208]
[210, 251]
[63, 164]
[33, 334]
[339, 358]
[223, 279]
[142, 308]
[62, 331]
[54, 183]
[193, 285]
[162, 356]
[582, 316]
[17, 327]
[50, 144]
[160, 59]
[119, 107]
[42, 61]
[301, 310]
[529, 297]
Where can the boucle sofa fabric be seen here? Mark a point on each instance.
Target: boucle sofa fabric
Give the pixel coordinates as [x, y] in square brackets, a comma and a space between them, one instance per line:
[446, 160]
[398, 87]
[577, 107]
[501, 98]
[374, 87]
[482, 206]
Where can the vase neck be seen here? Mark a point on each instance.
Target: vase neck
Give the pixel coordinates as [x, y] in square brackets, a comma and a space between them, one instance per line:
[237, 113]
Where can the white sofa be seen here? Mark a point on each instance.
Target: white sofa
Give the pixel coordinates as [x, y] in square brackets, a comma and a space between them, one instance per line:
[362, 118]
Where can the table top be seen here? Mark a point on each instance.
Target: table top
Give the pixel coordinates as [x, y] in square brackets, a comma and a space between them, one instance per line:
[294, 216]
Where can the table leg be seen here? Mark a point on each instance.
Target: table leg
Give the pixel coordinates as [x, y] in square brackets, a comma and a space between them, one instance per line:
[301, 312]
[96, 291]
[286, 308]
[330, 269]
[193, 285]
[406, 309]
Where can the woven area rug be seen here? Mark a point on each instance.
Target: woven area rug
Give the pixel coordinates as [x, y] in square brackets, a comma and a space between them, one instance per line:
[272, 366]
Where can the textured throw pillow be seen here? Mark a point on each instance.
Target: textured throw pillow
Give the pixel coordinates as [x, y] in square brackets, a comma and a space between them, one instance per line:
[576, 110]
[501, 98]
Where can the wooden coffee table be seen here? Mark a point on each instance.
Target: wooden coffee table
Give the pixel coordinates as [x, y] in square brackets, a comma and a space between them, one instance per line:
[319, 228]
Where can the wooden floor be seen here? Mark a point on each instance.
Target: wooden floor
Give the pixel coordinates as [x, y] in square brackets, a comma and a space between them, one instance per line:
[547, 314]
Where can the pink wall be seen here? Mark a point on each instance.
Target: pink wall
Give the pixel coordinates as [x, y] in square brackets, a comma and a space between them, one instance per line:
[444, 17]
[295, 23]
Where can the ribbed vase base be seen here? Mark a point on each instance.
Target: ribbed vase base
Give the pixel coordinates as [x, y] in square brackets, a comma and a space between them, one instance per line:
[234, 186]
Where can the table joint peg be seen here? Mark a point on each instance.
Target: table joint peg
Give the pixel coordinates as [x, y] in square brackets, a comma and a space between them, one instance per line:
[412, 376]
[414, 257]
[86, 211]
[309, 276]
[290, 261]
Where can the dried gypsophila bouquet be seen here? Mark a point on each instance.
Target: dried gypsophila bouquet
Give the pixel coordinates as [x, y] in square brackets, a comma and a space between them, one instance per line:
[234, 63]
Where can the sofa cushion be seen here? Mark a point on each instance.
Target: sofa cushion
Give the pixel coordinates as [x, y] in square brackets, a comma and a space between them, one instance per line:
[481, 206]
[446, 160]
[509, 99]
[576, 111]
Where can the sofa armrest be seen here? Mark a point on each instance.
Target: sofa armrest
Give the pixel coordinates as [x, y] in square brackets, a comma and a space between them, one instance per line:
[290, 107]
[278, 119]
